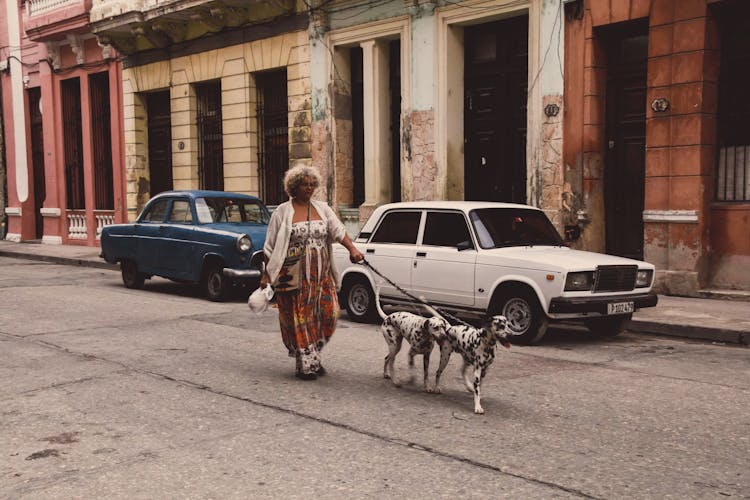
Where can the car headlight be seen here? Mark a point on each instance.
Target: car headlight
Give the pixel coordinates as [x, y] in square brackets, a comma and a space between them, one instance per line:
[579, 282]
[244, 243]
[643, 278]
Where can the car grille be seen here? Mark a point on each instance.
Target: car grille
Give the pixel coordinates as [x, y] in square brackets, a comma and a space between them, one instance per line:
[615, 278]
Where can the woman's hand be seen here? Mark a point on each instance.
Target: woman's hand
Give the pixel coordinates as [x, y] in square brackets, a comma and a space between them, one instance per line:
[264, 280]
[355, 255]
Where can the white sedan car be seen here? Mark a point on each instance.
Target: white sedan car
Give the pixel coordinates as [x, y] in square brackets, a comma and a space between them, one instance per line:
[477, 259]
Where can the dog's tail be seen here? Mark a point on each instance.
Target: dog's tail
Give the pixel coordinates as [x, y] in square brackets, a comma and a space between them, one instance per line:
[382, 313]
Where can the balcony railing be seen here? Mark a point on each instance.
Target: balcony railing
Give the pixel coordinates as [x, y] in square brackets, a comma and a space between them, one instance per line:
[36, 7]
[77, 229]
[103, 218]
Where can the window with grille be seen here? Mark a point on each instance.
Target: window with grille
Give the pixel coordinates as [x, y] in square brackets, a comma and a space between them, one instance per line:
[210, 144]
[73, 143]
[102, 141]
[733, 169]
[273, 135]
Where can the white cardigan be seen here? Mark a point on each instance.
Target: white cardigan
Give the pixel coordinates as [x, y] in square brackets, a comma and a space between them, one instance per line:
[280, 232]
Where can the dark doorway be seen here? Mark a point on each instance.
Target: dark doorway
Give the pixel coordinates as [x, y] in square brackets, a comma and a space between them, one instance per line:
[210, 137]
[394, 87]
[624, 170]
[358, 127]
[159, 142]
[102, 148]
[273, 151]
[37, 158]
[73, 144]
[496, 82]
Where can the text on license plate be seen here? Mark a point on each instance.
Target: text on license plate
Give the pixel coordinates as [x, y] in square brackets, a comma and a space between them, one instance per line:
[620, 308]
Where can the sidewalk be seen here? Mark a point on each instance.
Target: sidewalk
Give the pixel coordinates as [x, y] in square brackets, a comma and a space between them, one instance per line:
[718, 320]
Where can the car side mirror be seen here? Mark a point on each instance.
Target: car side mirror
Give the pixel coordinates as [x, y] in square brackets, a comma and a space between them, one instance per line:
[464, 245]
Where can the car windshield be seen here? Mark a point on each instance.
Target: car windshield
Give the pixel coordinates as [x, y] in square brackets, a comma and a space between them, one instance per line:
[506, 227]
[230, 210]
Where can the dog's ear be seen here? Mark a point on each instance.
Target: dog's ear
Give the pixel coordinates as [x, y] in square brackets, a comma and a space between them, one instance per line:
[426, 326]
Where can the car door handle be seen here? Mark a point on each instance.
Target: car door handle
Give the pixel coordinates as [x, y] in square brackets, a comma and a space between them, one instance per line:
[421, 254]
[370, 250]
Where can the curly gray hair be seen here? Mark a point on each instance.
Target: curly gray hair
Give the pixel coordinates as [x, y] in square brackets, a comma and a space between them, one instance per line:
[295, 175]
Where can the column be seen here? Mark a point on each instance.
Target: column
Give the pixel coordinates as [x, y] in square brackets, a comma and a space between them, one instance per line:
[376, 123]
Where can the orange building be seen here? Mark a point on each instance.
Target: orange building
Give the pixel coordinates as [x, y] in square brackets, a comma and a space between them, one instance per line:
[656, 135]
[62, 111]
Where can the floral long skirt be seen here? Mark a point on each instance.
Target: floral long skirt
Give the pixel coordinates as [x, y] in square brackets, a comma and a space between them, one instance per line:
[307, 316]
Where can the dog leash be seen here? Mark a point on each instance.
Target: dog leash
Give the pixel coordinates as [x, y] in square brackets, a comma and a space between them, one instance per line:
[412, 297]
[418, 300]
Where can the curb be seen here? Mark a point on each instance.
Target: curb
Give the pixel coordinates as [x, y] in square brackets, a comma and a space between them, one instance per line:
[690, 331]
[62, 260]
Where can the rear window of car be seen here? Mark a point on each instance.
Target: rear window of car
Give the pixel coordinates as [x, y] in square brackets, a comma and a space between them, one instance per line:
[156, 212]
[445, 229]
[181, 213]
[230, 210]
[398, 227]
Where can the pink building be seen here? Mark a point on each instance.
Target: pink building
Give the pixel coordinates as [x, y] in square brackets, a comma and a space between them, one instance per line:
[62, 111]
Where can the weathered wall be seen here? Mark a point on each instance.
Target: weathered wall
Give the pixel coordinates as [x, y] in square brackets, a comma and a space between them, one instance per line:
[693, 241]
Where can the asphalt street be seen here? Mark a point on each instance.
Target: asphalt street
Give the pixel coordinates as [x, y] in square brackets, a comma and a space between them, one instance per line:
[158, 393]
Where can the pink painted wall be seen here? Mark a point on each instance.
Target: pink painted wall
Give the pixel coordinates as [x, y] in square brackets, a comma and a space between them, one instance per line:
[54, 27]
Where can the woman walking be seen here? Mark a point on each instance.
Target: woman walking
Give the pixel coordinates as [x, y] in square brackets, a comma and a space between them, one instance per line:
[299, 263]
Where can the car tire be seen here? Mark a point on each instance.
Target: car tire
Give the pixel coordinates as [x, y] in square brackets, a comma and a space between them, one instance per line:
[215, 284]
[131, 277]
[527, 323]
[608, 326]
[359, 300]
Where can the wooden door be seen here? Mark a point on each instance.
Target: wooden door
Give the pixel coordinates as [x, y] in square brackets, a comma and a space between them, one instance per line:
[496, 81]
[159, 142]
[624, 171]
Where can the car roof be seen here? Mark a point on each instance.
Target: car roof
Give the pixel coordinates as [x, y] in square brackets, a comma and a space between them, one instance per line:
[453, 205]
[205, 193]
[464, 206]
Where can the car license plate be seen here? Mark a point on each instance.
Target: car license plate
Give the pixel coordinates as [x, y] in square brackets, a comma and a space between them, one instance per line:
[620, 308]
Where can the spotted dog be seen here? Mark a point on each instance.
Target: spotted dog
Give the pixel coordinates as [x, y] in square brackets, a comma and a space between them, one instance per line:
[419, 332]
[477, 348]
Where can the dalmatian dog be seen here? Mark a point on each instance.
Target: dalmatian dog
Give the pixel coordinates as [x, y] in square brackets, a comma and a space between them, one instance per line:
[477, 348]
[419, 332]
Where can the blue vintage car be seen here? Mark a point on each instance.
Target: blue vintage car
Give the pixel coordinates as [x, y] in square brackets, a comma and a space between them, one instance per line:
[214, 238]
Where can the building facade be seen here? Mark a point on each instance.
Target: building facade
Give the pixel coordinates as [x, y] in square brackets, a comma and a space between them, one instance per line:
[656, 137]
[622, 120]
[61, 102]
[216, 95]
[417, 100]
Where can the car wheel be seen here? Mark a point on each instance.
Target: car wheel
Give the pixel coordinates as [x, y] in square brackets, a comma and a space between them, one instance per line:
[215, 284]
[359, 300]
[527, 322]
[608, 326]
[130, 275]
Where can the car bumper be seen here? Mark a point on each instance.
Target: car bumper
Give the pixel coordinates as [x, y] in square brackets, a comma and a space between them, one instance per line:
[242, 274]
[598, 305]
